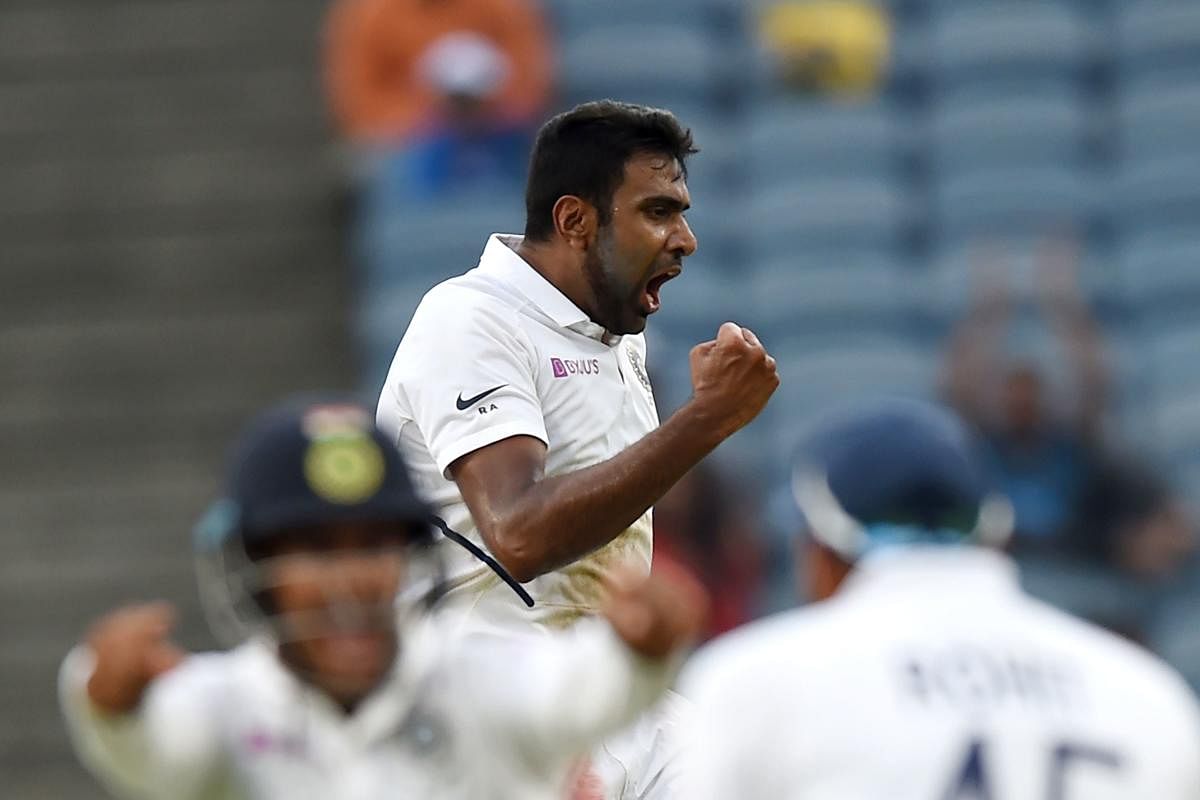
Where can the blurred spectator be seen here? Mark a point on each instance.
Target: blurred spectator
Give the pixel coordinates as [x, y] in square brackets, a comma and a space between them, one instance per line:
[445, 92]
[1131, 521]
[828, 46]
[703, 525]
[1040, 452]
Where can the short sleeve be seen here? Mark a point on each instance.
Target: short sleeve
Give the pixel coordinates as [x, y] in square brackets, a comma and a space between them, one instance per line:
[465, 374]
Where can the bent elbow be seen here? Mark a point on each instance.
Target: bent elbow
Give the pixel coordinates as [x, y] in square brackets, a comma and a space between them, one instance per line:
[516, 555]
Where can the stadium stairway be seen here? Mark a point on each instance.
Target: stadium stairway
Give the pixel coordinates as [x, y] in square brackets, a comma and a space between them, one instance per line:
[169, 266]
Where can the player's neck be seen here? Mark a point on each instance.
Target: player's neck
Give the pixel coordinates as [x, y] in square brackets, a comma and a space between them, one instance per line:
[348, 702]
[557, 264]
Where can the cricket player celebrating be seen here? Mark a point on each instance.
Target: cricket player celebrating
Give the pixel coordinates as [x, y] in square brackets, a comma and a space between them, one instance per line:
[925, 673]
[330, 699]
[519, 393]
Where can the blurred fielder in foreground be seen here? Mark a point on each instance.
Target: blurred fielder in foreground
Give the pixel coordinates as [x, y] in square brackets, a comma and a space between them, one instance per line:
[925, 673]
[329, 698]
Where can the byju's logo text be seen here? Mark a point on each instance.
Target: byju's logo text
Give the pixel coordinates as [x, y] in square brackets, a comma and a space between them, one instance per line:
[566, 367]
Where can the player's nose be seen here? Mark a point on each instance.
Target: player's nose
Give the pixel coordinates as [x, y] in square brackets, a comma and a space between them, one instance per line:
[683, 241]
[362, 577]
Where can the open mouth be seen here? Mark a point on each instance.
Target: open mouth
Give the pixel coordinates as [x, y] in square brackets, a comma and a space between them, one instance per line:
[650, 297]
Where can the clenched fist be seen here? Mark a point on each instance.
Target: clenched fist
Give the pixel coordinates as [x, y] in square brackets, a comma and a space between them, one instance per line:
[132, 648]
[733, 376]
[658, 615]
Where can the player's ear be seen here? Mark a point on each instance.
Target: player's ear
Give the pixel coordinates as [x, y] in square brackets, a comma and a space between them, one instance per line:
[575, 220]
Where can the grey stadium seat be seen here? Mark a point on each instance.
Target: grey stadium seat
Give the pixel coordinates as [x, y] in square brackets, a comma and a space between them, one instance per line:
[1010, 132]
[578, 16]
[1021, 201]
[1177, 422]
[1160, 122]
[992, 43]
[657, 65]
[1174, 357]
[817, 382]
[696, 303]
[1157, 36]
[1157, 193]
[791, 297]
[1161, 275]
[436, 242]
[785, 217]
[818, 140]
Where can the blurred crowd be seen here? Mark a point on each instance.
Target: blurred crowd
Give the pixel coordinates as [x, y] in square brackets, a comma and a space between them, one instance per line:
[433, 97]
[437, 99]
[1078, 490]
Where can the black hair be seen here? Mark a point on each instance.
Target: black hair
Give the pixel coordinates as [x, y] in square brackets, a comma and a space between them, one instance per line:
[583, 152]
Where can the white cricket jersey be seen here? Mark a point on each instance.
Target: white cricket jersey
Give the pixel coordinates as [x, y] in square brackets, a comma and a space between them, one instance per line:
[487, 719]
[931, 676]
[501, 352]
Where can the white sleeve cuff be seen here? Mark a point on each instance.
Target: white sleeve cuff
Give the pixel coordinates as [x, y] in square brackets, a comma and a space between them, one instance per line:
[480, 439]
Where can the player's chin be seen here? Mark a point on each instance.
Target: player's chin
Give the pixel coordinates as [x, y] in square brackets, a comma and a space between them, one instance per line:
[355, 659]
[645, 305]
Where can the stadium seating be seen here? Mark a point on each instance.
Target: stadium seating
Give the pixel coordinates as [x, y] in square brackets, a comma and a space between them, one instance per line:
[381, 321]
[1176, 635]
[1160, 121]
[957, 263]
[988, 46]
[818, 378]
[1157, 37]
[575, 16]
[1102, 596]
[788, 217]
[711, 172]
[798, 141]
[1161, 277]
[1175, 379]
[1019, 131]
[697, 302]
[837, 295]
[1006, 201]
[1178, 421]
[434, 242]
[1160, 194]
[656, 65]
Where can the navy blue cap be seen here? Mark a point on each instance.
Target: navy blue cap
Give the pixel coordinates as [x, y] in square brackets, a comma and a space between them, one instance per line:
[307, 463]
[896, 465]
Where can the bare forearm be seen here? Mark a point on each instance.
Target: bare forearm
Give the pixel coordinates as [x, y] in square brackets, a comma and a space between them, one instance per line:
[559, 519]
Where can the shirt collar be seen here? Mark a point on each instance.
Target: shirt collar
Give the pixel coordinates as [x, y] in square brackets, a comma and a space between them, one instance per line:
[500, 259]
[918, 568]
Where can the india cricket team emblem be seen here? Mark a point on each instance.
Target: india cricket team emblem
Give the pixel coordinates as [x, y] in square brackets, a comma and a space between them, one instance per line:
[635, 360]
[342, 464]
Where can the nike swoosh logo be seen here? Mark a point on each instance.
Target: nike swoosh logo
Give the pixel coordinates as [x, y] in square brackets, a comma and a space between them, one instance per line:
[463, 405]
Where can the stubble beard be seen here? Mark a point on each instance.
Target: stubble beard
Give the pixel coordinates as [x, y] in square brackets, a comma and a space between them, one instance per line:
[611, 309]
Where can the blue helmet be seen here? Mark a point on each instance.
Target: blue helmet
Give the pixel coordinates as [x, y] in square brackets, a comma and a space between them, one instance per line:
[307, 462]
[896, 472]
